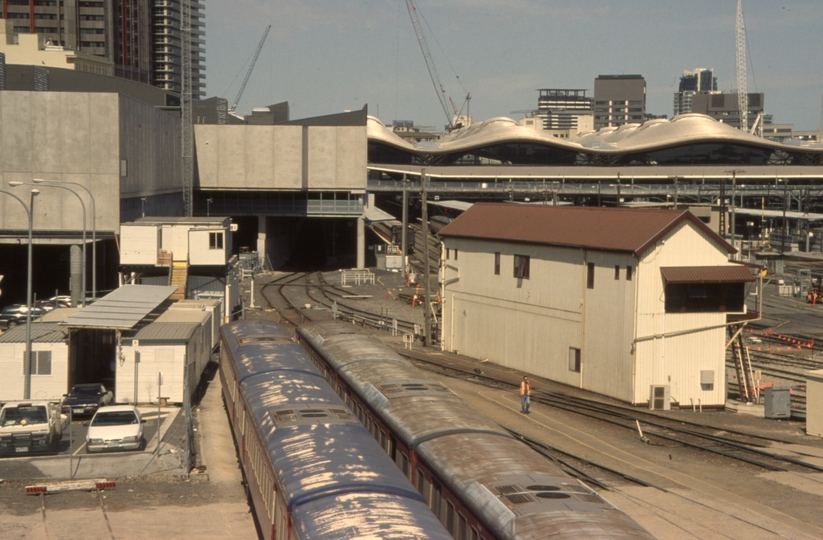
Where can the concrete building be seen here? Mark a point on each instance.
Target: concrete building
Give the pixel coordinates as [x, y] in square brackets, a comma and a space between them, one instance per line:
[619, 100]
[613, 300]
[724, 107]
[38, 50]
[696, 81]
[565, 111]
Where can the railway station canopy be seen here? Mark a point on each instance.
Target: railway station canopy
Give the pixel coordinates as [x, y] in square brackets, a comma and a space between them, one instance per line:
[687, 139]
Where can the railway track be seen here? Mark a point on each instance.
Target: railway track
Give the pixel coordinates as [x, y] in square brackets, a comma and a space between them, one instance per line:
[750, 448]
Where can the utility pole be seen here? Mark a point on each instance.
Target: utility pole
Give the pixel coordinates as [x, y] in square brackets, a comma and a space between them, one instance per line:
[186, 128]
[404, 240]
[785, 225]
[427, 317]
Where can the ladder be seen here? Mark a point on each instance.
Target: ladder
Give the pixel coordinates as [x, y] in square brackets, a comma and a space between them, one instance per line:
[743, 366]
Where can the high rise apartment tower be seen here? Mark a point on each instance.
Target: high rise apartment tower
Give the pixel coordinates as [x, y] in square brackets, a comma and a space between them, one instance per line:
[141, 37]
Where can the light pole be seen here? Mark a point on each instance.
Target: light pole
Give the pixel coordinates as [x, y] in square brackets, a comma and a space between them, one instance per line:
[208, 207]
[93, 230]
[27, 359]
[143, 206]
[83, 205]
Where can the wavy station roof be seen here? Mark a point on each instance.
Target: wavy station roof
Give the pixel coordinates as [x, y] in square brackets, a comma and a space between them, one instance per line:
[688, 139]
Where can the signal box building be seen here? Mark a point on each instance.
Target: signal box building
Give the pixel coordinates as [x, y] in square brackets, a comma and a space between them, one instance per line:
[628, 303]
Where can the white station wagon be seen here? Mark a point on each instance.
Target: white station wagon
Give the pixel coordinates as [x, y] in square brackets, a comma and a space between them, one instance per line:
[118, 427]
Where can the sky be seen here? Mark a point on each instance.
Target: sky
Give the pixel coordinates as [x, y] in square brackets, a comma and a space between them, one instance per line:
[328, 56]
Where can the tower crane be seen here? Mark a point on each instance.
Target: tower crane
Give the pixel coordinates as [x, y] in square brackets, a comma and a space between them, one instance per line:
[424, 47]
[742, 96]
[251, 67]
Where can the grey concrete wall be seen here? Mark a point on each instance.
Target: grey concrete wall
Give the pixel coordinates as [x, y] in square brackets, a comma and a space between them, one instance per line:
[150, 146]
[65, 137]
[280, 157]
[82, 137]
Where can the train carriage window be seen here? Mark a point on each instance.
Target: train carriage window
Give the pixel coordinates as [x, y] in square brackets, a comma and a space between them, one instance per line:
[424, 487]
[475, 535]
[461, 526]
[436, 500]
[384, 441]
[450, 517]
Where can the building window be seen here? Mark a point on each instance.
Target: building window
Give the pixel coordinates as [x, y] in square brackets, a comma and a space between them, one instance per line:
[216, 240]
[590, 276]
[574, 359]
[447, 254]
[704, 297]
[521, 266]
[629, 273]
[40, 363]
[497, 264]
[455, 254]
[616, 271]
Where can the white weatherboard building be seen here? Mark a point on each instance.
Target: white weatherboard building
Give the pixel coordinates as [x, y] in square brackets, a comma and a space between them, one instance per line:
[617, 301]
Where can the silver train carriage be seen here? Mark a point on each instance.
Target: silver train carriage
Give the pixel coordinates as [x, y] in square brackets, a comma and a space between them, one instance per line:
[312, 470]
[480, 481]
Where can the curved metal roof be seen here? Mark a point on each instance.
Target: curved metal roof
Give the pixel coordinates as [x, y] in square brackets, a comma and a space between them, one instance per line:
[658, 133]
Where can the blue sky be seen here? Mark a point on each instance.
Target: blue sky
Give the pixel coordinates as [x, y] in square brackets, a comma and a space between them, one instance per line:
[326, 56]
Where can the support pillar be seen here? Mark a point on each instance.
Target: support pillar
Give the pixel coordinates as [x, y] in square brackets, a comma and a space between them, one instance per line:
[361, 242]
[262, 231]
[76, 274]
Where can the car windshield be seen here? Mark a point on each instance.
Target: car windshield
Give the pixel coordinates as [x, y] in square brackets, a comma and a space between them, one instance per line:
[117, 418]
[14, 416]
[86, 391]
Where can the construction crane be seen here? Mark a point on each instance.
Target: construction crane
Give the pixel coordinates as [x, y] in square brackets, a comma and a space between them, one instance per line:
[742, 96]
[251, 67]
[421, 39]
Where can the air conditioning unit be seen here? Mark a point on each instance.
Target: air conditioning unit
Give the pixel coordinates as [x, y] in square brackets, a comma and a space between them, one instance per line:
[660, 399]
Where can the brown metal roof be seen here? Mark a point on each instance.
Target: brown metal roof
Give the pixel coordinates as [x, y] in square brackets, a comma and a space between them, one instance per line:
[707, 274]
[634, 230]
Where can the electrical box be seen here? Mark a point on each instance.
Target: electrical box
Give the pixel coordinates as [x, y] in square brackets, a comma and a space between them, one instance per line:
[777, 403]
[660, 398]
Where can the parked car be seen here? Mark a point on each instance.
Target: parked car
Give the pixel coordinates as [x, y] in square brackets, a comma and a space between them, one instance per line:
[51, 304]
[85, 399]
[16, 314]
[118, 427]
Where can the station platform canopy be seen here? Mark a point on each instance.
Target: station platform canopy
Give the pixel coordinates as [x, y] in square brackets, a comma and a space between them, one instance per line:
[374, 214]
[121, 309]
[778, 214]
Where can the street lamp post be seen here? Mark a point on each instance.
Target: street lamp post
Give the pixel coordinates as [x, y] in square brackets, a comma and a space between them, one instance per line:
[93, 229]
[27, 359]
[83, 205]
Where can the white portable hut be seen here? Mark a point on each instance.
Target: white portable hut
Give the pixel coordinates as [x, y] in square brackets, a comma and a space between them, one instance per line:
[214, 306]
[171, 354]
[50, 368]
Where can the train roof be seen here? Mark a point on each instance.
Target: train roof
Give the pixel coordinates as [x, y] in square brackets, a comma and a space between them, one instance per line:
[262, 346]
[379, 516]
[417, 407]
[316, 445]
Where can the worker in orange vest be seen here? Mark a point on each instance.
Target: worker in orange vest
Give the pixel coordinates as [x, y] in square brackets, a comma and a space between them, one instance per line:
[525, 394]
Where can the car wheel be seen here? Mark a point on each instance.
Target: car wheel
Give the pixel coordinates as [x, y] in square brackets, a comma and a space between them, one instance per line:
[12, 324]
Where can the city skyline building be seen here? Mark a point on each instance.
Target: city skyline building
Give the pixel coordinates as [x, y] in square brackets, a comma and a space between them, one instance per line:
[561, 109]
[619, 100]
[142, 38]
[696, 81]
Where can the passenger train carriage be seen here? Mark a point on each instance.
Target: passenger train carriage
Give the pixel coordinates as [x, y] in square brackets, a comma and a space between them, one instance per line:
[312, 469]
[477, 479]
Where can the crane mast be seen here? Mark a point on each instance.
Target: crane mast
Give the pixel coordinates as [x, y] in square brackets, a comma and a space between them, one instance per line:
[742, 96]
[251, 67]
[424, 47]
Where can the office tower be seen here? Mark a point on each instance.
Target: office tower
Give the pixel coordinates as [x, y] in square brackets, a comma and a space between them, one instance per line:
[560, 109]
[696, 81]
[618, 100]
